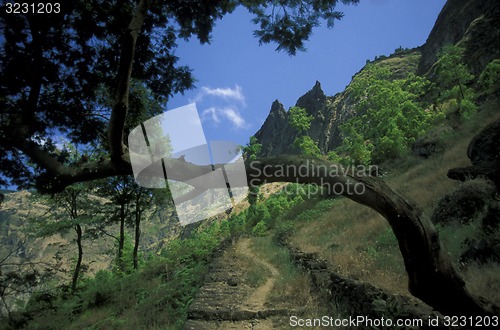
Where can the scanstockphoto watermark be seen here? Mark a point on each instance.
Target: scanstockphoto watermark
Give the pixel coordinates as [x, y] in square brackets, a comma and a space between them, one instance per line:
[318, 177]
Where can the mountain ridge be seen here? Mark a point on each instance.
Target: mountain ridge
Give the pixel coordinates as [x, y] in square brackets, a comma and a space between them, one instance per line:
[470, 24]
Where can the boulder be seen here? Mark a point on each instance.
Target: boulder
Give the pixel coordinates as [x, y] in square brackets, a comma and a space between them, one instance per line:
[484, 153]
[465, 204]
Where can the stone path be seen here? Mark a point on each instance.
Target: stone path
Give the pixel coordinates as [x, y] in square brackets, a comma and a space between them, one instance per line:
[226, 302]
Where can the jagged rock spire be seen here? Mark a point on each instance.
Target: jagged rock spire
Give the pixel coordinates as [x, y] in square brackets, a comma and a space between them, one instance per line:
[313, 100]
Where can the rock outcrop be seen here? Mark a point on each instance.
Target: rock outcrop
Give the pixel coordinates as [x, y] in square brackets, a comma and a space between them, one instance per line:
[275, 131]
[472, 24]
[484, 153]
[277, 136]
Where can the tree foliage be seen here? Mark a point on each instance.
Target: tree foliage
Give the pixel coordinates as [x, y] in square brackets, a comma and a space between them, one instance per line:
[252, 150]
[389, 116]
[299, 119]
[64, 77]
[490, 77]
[454, 78]
[301, 122]
[72, 210]
[289, 23]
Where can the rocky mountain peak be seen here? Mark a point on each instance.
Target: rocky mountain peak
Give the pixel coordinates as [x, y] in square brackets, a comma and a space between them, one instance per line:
[274, 128]
[277, 109]
[313, 100]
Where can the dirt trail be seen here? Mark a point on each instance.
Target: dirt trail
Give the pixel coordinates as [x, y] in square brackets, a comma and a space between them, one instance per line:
[258, 298]
[225, 301]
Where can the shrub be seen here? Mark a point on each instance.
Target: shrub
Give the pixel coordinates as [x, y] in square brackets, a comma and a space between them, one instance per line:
[260, 229]
[453, 79]
[489, 79]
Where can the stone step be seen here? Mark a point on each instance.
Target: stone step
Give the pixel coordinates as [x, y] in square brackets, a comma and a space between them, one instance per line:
[237, 314]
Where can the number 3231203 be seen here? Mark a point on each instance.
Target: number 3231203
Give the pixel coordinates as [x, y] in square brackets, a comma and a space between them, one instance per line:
[32, 8]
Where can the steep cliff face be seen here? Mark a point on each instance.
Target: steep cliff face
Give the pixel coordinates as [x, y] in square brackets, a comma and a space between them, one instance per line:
[472, 24]
[312, 101]
[274, 130]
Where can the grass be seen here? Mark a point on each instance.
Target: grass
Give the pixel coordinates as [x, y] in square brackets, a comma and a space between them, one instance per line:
[291, 285]
[353, 239]
[483, 280]
[254, 275]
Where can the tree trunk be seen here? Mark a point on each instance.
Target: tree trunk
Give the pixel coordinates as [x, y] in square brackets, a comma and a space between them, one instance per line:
[137, 234]
[121, 239]
[78, 266]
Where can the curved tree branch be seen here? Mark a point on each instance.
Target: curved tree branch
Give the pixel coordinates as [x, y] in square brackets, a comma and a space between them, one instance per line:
[432, 277]
[62, 175]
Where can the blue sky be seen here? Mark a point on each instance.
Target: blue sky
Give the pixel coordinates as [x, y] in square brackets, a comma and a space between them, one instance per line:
[237, 80]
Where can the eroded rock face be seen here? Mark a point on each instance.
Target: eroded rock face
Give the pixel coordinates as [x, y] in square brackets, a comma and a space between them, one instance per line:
[470, 23]
[328, 113]
[485, 147]
[277, 136]
[313, 101]
[484, 153]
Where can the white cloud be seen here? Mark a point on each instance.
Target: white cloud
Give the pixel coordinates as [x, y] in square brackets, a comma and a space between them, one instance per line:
[212, 113]
[227, 113]
[222, 104]
[234, 117]
[227, 93]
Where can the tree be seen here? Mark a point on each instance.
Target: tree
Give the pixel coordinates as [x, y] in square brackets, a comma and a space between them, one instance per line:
[53, 67]
[128, 202]
[57, 65]
[251, 153]
[389, 117]
[454, 77]
[301, 122]
[120, 190]
[490, 77]
[143, 199]
[70, 210]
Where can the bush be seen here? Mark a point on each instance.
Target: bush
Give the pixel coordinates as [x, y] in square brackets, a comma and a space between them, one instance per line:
[100, 290]
[283, 230]
[453, 79]
[489, 79]
[260, 229]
